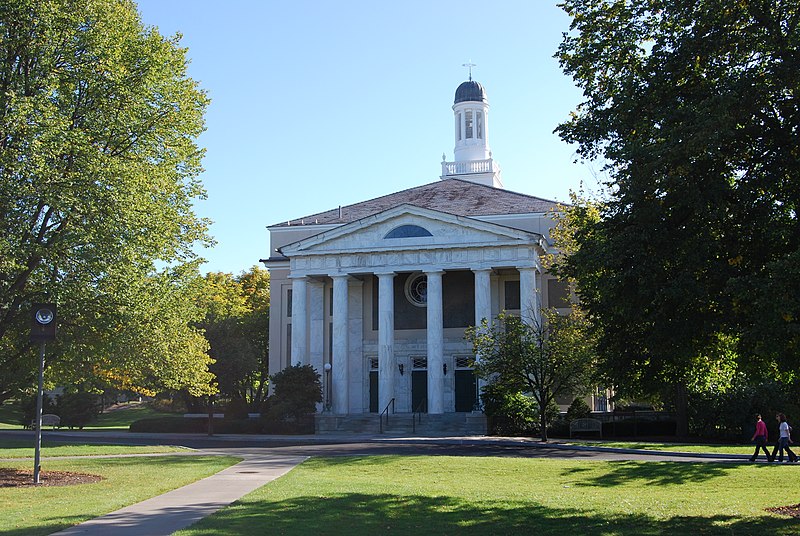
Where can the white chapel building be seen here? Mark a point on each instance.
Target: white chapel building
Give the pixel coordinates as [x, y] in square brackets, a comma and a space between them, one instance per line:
[376, 295]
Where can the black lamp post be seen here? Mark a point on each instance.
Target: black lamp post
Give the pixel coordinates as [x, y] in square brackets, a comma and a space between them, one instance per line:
[43, 329]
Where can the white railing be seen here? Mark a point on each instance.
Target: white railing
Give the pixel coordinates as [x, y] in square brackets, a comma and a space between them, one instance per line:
[472, 166]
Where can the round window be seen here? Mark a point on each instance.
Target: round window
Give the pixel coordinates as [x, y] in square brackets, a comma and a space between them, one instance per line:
[417, 289]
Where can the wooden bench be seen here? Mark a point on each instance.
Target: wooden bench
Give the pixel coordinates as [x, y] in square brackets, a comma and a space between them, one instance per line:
[586, 425]
[48, 419]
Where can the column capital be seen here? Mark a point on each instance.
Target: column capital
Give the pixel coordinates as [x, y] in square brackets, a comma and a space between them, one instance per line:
[536, 269]
[297, 276]
[433, 271]
[476, 270]
[339, 276]
[385, 274]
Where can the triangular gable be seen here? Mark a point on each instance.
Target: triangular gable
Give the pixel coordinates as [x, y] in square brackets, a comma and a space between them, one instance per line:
[446, 231]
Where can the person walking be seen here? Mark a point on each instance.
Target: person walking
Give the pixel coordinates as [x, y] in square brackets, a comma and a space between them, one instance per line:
[760, 438]
[784, 438]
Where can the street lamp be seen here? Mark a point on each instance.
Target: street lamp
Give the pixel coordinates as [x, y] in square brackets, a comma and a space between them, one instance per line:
[43, 329]
[327, 368]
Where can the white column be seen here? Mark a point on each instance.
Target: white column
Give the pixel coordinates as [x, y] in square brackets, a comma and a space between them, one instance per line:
[316, 326]
[340, 364]
[483, 304]
[355, 339]
[435, 343]
[483, 296]
[386, 361]
[299, 320]
[530, 312]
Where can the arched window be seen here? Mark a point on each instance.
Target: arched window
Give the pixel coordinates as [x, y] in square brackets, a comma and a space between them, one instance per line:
[408, 231]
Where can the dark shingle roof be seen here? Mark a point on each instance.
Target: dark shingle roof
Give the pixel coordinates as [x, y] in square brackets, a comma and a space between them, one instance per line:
[453, 196]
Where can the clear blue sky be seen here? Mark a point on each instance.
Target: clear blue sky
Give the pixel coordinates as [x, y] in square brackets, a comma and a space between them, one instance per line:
[316, 104]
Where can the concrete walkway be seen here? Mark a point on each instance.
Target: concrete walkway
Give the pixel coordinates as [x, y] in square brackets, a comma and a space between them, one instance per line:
[164, 514]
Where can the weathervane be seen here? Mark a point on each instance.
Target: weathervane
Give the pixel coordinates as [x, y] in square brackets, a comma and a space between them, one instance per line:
[469, 65]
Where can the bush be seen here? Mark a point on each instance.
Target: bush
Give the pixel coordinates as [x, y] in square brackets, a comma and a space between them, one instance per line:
[175, 425]
[77, 409]
[27, 408]
[298, 390]
[508, 413]
[579, 409]
[236, 409]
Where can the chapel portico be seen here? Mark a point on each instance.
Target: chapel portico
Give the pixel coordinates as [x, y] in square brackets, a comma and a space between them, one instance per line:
[320, 262]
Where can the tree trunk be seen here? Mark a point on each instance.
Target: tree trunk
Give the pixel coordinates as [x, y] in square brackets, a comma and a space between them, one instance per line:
[681, 409]
[543, 418]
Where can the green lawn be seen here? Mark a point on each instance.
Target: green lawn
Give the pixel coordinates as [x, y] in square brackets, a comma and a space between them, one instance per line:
[32, 511]
[15, 448]
[670, 447]
[119, 419]
[471, 495]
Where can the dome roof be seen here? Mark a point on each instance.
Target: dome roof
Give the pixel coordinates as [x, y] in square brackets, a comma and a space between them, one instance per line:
[470, 91]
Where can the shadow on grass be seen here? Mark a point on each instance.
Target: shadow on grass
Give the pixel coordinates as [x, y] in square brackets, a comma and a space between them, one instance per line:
[381, 514]
[655, 473]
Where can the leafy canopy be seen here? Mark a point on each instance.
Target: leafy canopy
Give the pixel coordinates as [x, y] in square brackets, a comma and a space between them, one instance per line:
[98, 173]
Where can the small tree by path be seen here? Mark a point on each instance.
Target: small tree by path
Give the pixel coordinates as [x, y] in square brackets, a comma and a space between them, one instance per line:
[547, 358]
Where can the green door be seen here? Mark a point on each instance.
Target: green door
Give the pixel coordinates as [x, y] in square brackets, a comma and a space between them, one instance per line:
[373, 391]
[419, 390]
[466, 390]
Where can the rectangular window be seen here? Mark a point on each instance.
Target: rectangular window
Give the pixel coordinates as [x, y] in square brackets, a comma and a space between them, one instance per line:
[419, 363]
[289, 303]
[330, 296]
[330, 340]
[479, 124]
[468, 117]
[373, 363]
[511, 290]
[288, 345]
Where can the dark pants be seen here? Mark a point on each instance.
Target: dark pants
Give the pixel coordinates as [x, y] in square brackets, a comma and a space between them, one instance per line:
[761, 443]
[780, 446]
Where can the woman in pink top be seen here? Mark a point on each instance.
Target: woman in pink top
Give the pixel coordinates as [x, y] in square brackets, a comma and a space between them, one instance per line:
[760, 438]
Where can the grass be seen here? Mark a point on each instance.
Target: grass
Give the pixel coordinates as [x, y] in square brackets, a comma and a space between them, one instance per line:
[120, 419]
[43, 510]
[670, 447]
[14, 448]
[476, 496]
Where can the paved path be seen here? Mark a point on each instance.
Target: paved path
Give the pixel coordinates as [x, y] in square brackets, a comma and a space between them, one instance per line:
[266, 458]
[177, 509]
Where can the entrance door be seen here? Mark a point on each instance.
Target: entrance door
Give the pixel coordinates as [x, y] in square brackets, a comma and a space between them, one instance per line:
[373, 391]
[466, 390]
[419, 390]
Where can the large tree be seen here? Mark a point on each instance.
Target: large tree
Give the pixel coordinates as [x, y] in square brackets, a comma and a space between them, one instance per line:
[551, 357]
[694, 107]
[236, 325]
[98, 173]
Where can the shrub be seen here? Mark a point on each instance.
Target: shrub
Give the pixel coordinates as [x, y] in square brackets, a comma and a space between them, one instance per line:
[176, 425]
[236, 409]
[579, 409]
[297, 391]
[508, 413]
[27, 408]
[77, 409]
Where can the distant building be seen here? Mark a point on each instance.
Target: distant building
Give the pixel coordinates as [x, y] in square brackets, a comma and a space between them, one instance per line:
[382, 290]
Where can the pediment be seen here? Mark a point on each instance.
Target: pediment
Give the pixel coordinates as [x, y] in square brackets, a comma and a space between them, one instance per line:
[409, 227]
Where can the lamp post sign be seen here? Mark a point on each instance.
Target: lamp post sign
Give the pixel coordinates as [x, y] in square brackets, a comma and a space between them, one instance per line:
[43, 329]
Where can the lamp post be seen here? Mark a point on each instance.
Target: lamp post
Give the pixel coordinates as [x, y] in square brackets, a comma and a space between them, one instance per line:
[43, 329]
[327, 368]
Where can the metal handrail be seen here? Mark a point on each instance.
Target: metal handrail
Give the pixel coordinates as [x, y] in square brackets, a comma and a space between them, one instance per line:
[417, 413]
[386, 411]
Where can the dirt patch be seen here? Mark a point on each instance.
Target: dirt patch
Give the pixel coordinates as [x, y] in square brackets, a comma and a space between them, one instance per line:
[14, 478]
[792, 511]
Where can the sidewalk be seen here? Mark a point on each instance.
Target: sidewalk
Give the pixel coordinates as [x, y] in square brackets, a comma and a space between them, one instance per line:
[164, 514]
